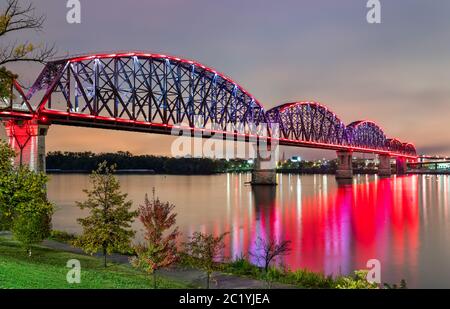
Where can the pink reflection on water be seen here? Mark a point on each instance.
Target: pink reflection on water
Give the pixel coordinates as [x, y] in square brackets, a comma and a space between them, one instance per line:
[336, 230]
[333, 228]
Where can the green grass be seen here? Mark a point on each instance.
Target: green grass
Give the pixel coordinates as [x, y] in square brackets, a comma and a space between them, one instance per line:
[46, 268]
[62, 236]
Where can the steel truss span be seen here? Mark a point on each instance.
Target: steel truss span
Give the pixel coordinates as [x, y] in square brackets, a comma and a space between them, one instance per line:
[155, 93]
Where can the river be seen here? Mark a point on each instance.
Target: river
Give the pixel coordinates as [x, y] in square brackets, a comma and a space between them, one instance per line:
[404, 222]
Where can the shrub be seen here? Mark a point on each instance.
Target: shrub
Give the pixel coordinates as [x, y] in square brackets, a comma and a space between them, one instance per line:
[108, 226]
[62, 236]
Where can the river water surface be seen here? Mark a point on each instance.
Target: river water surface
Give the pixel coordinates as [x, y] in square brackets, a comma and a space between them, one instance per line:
[404, 222]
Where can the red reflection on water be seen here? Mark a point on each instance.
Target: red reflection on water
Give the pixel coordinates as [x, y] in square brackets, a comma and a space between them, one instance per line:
[336, 230]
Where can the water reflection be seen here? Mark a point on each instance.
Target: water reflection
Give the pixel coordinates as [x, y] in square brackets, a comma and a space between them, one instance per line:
[334, 227]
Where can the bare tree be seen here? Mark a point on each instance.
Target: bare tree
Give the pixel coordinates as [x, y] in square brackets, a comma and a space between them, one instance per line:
[204, 251]
[267, 250]
[159, 249]
[17, 17]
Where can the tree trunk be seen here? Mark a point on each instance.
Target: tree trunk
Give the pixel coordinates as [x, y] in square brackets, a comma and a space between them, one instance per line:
[154, 279]
[207, 280]
[104, 257]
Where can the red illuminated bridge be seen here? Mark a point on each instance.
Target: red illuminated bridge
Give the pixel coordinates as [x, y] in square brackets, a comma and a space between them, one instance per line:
[157, 93]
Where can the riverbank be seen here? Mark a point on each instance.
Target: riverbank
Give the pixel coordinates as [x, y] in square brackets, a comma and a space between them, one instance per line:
[238, 273]
[47, 269]
[182, 273]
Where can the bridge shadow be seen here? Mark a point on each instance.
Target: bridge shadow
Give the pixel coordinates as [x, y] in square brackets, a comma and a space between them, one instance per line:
[344, 182]
[264, 198]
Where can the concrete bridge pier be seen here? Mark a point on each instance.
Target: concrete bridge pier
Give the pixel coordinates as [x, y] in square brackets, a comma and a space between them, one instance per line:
[263, 172]
[384, 167]
[401, 165]
[344, 165]
[27, 138]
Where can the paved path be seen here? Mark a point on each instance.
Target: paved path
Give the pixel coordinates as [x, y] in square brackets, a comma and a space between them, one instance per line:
[190, 276]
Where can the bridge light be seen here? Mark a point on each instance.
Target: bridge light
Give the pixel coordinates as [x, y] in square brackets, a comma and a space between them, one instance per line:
[43, 120]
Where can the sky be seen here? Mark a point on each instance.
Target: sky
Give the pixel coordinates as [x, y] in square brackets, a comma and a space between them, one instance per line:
[396, 73]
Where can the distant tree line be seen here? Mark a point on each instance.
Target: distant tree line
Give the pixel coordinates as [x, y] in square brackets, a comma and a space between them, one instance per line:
[108, 228]
[308, 167]
[127, 162]
[89, 161]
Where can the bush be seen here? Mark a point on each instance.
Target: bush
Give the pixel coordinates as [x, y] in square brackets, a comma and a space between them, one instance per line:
[301, 278]
[309, 279]
[62, 236]
[24, 208]
[32, 224]
[205, 251]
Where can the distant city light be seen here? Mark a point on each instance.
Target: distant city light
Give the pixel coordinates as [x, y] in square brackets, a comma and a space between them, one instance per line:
[296, 159]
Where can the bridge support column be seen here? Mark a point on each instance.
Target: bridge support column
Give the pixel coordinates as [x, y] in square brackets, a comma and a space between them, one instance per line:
[344, 165]
[384, 167]
[401, 166]
[27, 138]
[264, 167]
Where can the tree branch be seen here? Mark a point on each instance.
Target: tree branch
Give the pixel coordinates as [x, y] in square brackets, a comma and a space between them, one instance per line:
[15, 18]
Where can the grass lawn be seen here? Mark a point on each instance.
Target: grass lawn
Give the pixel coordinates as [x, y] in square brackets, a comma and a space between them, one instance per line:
[46, 268]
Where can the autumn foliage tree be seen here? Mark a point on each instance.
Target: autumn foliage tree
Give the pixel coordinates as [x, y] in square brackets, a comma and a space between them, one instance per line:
[108, 226]
[159, 249]
[267, 251]
[204, 250]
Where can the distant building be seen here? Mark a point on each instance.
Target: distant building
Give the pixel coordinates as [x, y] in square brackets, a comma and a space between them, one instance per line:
[296, 159]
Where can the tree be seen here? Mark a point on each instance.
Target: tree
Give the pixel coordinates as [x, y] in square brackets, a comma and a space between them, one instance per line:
[6, 79]
[268, 250]
[24, 208]
[358, 280]
[32, 223]
[15, 17]
[6, 156]
[107, 228]
[204, 251]
[159, 249]
[6, 169]
[19, 187]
